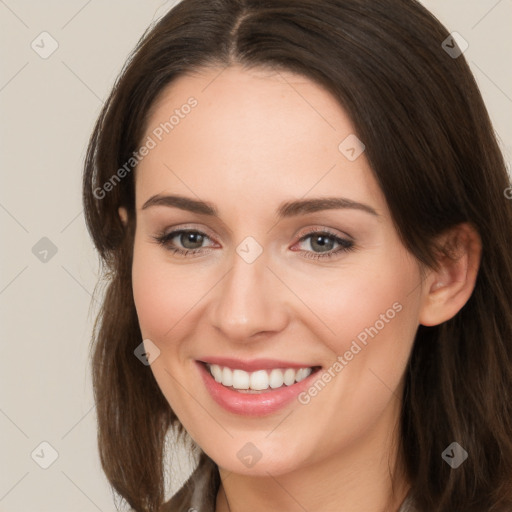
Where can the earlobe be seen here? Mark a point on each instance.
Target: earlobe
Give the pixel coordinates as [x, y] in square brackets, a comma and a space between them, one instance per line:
[123, 214]
[449, 288]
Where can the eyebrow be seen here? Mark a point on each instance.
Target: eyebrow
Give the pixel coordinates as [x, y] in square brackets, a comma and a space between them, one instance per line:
[285, 210]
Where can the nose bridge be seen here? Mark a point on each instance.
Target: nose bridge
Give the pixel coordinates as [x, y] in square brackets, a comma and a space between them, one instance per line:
[249, 299]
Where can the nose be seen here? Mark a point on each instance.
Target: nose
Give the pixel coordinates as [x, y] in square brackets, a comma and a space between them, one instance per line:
[249, 301]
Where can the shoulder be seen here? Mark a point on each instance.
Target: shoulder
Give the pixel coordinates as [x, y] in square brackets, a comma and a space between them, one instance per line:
[199, 492]
[408, 504]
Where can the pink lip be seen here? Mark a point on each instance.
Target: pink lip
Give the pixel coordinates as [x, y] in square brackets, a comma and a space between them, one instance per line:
[252, 404]
[254, 364]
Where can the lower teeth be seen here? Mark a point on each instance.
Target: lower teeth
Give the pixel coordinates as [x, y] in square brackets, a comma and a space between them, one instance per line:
[252, 391]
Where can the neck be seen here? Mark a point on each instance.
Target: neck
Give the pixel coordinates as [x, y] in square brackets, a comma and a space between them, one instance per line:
[355, 479]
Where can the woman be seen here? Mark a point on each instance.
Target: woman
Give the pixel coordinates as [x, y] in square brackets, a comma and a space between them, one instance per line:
[300, 207]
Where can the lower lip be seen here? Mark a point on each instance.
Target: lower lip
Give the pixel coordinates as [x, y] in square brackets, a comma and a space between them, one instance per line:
[252, 404]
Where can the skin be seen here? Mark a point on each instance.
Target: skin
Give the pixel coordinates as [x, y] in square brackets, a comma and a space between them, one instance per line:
[256, 139]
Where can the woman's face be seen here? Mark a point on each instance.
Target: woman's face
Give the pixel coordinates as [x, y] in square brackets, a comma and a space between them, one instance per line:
[276, 278]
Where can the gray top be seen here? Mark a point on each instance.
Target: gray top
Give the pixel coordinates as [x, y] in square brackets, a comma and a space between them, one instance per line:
[199, 492]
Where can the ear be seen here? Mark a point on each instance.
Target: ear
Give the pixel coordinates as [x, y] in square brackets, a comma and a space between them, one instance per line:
[447, 289]
[123, 214]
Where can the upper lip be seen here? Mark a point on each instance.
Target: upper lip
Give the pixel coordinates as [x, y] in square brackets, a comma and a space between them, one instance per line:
[251, 365]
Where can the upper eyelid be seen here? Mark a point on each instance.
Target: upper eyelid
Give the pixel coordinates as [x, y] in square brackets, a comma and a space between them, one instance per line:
[329, 231]
[204, 231]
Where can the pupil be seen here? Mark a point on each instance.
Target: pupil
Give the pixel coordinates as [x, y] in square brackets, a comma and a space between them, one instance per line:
[320, 240]
[192, 237]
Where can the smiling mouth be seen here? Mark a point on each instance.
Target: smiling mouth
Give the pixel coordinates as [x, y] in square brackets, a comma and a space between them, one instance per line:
[264, 380]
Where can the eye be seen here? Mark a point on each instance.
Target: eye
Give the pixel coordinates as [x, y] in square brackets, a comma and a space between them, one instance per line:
[324, 241]
[191, 241]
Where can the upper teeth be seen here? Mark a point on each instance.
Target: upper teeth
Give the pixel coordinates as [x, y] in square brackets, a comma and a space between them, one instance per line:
[258, 380]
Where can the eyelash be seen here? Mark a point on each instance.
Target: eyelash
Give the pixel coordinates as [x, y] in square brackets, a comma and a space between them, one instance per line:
[345, 245]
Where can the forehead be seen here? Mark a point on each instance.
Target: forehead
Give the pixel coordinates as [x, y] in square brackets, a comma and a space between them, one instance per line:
[246, 134]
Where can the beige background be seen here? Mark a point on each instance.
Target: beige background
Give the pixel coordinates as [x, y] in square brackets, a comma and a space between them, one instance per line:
[47, 108]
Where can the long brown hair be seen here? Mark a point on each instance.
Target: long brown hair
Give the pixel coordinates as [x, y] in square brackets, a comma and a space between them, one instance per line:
[434, 154]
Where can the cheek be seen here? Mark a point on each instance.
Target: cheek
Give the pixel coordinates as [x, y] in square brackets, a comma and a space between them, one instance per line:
[167, 294]
[366, 303]
[162, 300]
[372, 319]
[159, 299]
[375, 318]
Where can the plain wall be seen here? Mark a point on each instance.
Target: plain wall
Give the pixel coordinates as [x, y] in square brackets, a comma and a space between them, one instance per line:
[47, 108]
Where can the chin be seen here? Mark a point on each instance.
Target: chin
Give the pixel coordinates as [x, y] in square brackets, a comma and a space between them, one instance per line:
[257, 458]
